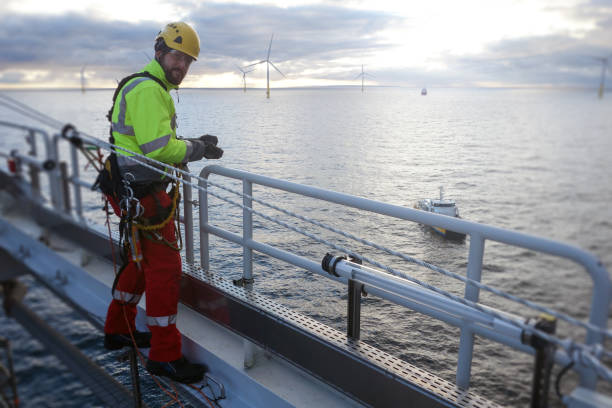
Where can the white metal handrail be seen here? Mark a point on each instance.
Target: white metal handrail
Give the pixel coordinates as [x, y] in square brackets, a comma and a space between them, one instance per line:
[478, 234]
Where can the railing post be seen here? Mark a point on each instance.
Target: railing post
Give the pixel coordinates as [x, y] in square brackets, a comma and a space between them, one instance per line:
[204, 255]
[247, 231]
[188, 216]
[65, 187]
[466, 342]
[55, 178]
[78, 202]
[353, 326]
[247, 259]
[34, 172]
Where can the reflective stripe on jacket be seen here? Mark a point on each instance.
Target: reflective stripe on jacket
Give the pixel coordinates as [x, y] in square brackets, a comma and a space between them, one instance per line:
[144, 121]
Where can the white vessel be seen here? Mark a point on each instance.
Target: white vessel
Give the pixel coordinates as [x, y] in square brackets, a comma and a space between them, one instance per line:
[441, 206]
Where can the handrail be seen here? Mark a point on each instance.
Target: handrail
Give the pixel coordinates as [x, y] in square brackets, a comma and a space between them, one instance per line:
[478, 233]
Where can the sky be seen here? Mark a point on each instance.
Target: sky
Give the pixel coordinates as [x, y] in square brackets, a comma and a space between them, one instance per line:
[436, 43]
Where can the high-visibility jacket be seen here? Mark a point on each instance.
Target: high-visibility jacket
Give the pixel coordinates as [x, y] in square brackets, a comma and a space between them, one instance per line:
[144, 121]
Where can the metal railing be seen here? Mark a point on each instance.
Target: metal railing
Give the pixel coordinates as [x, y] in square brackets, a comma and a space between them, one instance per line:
[470, 320]
[464, 313]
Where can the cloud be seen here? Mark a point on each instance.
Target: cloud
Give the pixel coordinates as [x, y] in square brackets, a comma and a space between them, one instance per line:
[325, 41]
[231, 34]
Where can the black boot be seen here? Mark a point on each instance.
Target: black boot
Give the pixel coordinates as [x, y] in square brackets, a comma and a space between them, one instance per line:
[179, 370]
[117, 341]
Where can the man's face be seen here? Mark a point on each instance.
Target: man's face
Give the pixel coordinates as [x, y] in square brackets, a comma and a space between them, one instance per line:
[175, 65]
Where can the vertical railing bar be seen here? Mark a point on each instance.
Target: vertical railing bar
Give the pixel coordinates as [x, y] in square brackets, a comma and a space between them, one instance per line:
[204, 244]
[247, 260]
[55, 180]
[34, 171]
[65, 186]
[188, 217]
[466, 340]
[247, 230]
[78, 203]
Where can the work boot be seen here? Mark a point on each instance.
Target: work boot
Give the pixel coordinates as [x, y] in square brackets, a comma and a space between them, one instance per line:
[118, 341]
[179, 370]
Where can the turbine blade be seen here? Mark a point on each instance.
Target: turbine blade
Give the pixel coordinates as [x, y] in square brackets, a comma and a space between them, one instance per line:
[270, 47]
[278, 70]
[252, 65]
[358, 75]
[369, 75]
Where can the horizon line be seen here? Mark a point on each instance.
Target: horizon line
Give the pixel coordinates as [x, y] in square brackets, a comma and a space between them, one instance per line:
[549, 87]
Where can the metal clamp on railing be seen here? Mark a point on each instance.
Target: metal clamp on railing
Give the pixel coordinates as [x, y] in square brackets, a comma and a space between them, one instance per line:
[355, 290]
[46, 165]
[329, 263]
[544, 358]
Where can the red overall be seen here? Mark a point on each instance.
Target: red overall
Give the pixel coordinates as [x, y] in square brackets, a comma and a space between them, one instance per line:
[159, 277]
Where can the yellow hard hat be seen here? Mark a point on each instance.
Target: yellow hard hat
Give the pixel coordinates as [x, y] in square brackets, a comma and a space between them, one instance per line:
[180, 36]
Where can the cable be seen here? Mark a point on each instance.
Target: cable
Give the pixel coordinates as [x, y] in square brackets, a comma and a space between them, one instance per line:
[558, 380]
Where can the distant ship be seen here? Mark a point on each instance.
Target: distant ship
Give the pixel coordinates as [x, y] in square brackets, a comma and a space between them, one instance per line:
[444, 207]
[424, 91]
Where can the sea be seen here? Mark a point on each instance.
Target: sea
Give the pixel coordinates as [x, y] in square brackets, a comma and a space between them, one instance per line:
[536, 161]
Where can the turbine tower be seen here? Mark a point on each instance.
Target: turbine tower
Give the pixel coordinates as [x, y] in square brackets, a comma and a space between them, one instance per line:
[244, 76]
[363, 75]
[604, 68]
[83, 79]
[268, 63]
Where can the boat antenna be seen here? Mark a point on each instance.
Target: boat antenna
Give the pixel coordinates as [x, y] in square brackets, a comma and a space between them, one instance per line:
[441, 192]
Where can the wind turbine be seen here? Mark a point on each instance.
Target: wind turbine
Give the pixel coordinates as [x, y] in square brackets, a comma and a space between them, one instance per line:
[244, 75]
[363, 75]
[83, 79]
[268, 63]
[604, 68]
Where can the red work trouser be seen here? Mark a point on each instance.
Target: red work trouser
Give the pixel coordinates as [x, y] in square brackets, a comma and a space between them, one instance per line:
[159, 276]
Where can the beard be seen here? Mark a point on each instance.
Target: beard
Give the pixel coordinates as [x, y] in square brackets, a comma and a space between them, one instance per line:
[174, 76]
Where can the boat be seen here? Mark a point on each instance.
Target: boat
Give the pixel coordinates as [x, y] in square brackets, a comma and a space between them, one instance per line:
[423, 91]
[260, 353]
[442, 206]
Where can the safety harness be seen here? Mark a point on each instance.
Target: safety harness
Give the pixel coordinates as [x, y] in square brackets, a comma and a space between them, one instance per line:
[132, 223]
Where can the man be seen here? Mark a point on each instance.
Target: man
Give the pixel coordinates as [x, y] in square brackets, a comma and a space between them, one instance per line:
[143, 120]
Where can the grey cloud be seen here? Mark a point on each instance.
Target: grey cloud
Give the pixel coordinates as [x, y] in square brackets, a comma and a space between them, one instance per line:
[63, 44]
[231, 35]
[307, 37]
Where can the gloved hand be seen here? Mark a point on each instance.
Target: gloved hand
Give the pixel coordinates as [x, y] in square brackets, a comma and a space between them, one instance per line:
[211, 151]
[198, 148]
[209, 139]
[195, 150]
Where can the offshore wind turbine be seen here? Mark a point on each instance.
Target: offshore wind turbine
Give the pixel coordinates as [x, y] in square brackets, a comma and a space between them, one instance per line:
[604, 68]
[83, 79]
[268, 63]
[363, 75]
[244, 75]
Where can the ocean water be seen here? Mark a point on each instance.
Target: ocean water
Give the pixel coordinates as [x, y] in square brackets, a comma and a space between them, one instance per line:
[535, 161]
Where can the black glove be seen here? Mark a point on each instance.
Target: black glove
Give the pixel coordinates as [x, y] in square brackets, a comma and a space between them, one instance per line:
[196, 150]
[209, 139]
[212, 151]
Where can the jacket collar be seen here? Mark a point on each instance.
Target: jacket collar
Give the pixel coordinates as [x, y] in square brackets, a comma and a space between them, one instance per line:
[155, 69]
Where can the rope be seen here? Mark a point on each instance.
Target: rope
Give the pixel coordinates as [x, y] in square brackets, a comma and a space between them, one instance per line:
[168, 218]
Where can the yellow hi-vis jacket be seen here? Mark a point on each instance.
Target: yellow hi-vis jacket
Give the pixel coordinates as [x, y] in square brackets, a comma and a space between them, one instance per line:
[144, 121]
